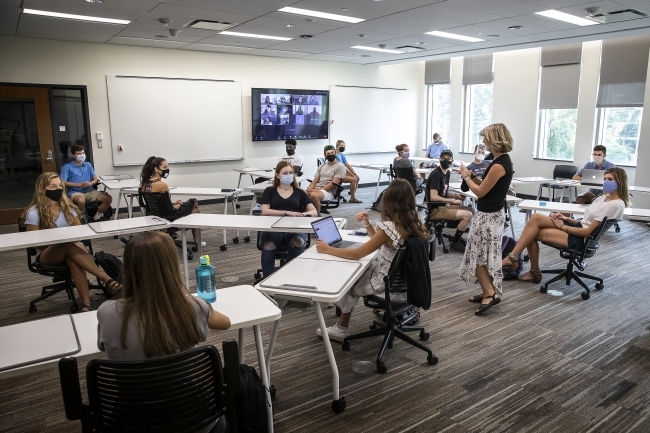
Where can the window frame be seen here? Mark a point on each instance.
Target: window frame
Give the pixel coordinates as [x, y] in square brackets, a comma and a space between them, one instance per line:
[599, 136]
[542, 134]
[466, 146]
[428, 122]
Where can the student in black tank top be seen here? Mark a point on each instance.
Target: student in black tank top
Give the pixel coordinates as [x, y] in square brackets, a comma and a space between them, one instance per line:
[483, 252]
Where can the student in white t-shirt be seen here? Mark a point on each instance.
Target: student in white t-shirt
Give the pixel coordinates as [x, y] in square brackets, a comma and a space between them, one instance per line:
[291, 156]
[561, 230]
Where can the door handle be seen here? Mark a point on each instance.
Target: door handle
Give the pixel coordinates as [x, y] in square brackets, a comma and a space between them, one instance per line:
[49, 156]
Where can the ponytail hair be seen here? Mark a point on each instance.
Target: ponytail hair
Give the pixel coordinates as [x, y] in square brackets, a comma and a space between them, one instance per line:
[149, 168]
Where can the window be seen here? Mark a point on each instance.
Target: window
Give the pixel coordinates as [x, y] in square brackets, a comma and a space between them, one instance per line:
[618, 130]
[438, 112]
[478, 113]
[557, 133]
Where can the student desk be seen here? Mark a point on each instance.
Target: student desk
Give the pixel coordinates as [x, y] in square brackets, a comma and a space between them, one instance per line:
[304, 298]
[245, 306]
[259, 172]
[381, 168]
[119, 185]
[579, 209]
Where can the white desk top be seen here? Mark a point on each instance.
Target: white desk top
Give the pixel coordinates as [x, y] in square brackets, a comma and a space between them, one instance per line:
[372, 166]
[258, 188]
[193, 191]
[553, 206]
[113, 177]
[247, 222]
[247, 169]
[140, 223]
[244, 305]
[121, 184]
[533, 179]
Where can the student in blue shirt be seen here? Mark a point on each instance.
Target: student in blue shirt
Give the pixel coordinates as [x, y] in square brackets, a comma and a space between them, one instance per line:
[80, 180]
[434, 149]
[479, 165]
[599, 163]
[350, 176]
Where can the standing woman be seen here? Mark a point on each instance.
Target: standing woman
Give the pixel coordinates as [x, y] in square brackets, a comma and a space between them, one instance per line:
[51, 208]
[483, 252]
[284, 198]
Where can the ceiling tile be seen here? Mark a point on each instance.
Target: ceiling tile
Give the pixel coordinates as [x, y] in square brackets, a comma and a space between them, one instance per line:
[365, 9]
[328, 57]
[277, 53]
[11, 3]
[540, 21]
[504, 8]
[216, 48]
[117, 9]
[182, 37]
[238, 41]
[632, 24]
[429, 44]
[405, 23]
[8, 20]
[236, 6]
[471, 31]
[150, 26]
[306, 47]
[555, 4]
[278, 27]
[605, 6]
[642, 5]
[181, 15]
[146, 43]
[501, 27]
[32, 25]
[454, 14]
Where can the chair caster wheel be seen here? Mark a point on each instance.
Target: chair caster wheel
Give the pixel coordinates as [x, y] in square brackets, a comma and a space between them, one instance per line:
[381, 368]
[195, 248]
[345, 346]
[32, 308]
[424, 336]
[445, 250]
[43, 291]
[247, 239]
[338, 312]
[338, 406]
[599, 286]
[223, 247]
[257, 275]
[235, 240]
[73, 309]
[543, 289]
[272, 391]
[237, 205]
[584, 295]
[373, 326]
[432, 359]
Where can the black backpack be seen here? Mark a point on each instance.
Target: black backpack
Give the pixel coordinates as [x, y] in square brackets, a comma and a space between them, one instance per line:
[377, 205]
[251, 404]
[110, 264]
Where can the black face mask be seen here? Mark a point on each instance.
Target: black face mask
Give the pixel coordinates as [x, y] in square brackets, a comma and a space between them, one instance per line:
[291, 151]
[342, 149]
[164, 174]
[330, 158]
[54, 194]
[445, 163]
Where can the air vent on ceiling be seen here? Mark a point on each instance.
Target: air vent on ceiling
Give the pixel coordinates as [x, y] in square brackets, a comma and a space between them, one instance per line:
[409, 49]
[209, 25]
[618, 16]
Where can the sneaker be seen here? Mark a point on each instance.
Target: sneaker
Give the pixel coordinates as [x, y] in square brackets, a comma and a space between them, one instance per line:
[457, 246]
[257, 207]
[335, 332]
[203, 244]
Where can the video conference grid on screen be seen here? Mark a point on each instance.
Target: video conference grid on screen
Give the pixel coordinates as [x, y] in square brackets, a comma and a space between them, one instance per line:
[279, 114]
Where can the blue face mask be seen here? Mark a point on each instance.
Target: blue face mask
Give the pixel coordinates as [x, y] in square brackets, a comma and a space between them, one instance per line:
[406, 155]
[286, 179]
[609, 186]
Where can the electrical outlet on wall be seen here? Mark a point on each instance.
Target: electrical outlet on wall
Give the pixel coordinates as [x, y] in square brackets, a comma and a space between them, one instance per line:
[100, 137]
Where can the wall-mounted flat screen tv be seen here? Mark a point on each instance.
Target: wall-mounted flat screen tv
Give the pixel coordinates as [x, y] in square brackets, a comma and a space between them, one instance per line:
[279, 114]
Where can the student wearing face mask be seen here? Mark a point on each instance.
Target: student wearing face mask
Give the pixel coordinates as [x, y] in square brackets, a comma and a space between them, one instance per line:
[291, 156]
[80, 180]
[50, 208]
[479, 165]
[561, 230]
[351, 176]
[153, 171]
[284, 198]
[435, 148]
[599, 163]
[322, 187]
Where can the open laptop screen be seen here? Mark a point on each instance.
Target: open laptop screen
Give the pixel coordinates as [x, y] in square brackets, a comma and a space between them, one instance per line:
[325, 229]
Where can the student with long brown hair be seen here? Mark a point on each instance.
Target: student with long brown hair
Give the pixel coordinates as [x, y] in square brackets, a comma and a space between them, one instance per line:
[399, 221]
[157, 316]
[51, 208]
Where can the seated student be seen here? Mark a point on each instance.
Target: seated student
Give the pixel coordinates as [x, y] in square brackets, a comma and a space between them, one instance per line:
[480, 164]
[153, 171]
[438, 190]
[434, 149]
[399, 220]
[157, 316]
[599, 163]
[51, 208]
[350, 176]
[402, 161]
[80, 179]
[284, 198]
[291, 156]
[322, 187]
[562, 230]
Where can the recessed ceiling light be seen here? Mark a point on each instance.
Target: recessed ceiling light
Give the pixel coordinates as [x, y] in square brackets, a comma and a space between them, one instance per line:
[344, 9]
[516, 27]
[74, 17]
[562, 16]
[309, 13]
[454, 36]
[382, 50]
[291, 26]
[254, 36]
[95, 1]
[362, 35]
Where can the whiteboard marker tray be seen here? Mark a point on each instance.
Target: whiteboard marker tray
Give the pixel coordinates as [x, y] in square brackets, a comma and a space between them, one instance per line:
[312, 275]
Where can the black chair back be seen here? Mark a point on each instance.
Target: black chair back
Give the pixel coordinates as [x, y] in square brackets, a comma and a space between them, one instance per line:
[403, 173]
[564, 171]
[319, 162]
[591, 242]
[158, 204]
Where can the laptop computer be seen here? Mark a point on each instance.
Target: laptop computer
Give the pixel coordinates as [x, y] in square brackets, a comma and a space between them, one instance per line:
[325, 229]
[593, 177]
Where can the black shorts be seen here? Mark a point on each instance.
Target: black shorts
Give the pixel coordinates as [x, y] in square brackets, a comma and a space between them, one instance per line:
[575, 242]
[185, 209]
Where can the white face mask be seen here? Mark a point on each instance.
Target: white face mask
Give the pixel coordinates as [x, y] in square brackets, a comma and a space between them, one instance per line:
[479, 157]
[81, 157]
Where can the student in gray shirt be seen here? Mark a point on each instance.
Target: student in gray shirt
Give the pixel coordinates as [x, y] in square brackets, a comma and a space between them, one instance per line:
[322, 187]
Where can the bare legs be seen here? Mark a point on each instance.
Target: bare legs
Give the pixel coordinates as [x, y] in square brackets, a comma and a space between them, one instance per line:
[464, 219]
[354, 184]
[485, 280]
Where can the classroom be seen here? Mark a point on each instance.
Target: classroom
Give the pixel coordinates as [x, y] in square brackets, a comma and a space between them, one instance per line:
[166, 130]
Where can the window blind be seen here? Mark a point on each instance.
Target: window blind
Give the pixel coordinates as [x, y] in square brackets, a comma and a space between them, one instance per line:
[437, 71]
[477, 69]
[623, 69]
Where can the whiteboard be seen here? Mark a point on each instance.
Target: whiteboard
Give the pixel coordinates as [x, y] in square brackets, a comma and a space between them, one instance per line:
[181, 120]
[371, 119]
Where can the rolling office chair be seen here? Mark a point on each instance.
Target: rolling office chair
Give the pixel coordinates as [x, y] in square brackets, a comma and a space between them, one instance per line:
[319, 162]
[407, 174]
[280, 254]
[559, 172]
[159, 204]
[437, 225]
[179, 393]
[397, 313]
[575, 257]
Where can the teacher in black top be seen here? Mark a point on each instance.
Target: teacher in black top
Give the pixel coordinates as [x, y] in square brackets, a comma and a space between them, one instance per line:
[284, 198]
[483, 252]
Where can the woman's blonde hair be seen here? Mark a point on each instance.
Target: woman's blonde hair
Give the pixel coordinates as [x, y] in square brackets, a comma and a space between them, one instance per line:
[497, 138]
[155, 293]
[40, 201]
[398, 207]
[620, 176]
[278, 169]
[400, 147]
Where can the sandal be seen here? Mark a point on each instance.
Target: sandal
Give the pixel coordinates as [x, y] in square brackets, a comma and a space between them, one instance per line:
[484, 307]
[112, 288]
[479, 298]
[514, 261]
[85, 307]
[535, 273]
[355, 200]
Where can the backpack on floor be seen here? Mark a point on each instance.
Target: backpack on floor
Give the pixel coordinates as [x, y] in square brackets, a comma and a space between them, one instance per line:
[507, 245]
[377, 205]
[251, 404]
[110, 264]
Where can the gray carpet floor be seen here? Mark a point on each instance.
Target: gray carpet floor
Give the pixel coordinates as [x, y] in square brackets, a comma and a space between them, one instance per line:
[534, 363]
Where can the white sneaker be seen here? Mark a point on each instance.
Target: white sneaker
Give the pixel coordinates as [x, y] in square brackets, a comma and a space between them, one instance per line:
[335, 332]
[257, 207]
[203, 244]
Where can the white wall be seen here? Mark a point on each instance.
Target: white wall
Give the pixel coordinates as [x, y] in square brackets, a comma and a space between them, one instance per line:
[41, 61]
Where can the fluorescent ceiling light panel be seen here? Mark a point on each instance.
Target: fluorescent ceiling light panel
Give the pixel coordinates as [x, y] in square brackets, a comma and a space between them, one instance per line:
[454, 36]
[254, 36]
[74, 17]
[324, 15]
[568, 18]
[383, 50]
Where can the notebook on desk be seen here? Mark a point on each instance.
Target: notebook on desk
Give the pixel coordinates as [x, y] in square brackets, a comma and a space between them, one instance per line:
[593, 177]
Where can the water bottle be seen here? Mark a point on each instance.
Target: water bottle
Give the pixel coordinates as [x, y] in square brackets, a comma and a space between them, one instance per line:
[205, 283]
